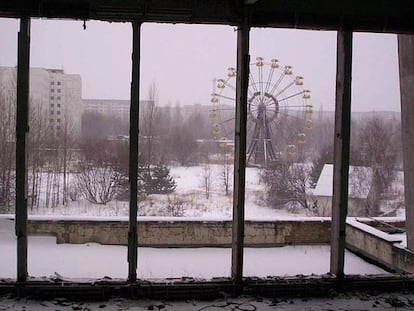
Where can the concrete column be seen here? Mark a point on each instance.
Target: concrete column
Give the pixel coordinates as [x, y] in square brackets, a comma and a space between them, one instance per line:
[242, 84]
[341, 151]
[133, 153]
[22, 129]
[406, 61]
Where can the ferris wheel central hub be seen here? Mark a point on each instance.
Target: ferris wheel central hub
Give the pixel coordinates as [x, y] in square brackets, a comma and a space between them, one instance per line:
[262, 105]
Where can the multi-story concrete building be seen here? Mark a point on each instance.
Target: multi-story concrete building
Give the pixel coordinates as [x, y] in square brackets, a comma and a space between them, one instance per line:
[110, 107]
[118, 108]
[55, 97]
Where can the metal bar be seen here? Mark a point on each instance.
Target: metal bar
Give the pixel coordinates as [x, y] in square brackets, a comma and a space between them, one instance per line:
[133, 154]
[406, 64]
[341, 151]
[242, 84]
[22, 129]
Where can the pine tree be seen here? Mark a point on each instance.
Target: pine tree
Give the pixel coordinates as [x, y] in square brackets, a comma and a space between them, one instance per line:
[161, 180]
[156, 179]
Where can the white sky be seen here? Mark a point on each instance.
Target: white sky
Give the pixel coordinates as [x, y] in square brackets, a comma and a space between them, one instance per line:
[183, 60]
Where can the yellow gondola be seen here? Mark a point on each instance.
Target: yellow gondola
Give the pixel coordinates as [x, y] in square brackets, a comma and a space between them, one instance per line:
[288, 70]
[308, 109]
[274, 63]
[299, 80]
[223, 142]
[259, 61]
[216, 129]
[214, 98]
[221, 84]
[308, 125]
[291, 150]
[212, 113]
[306, 94]
[231, 72]
[301, 138]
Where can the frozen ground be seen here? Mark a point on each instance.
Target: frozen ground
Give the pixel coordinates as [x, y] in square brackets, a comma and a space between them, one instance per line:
[348, 301]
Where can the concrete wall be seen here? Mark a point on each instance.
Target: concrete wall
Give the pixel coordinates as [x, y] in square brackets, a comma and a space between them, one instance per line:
[371, 245]
[184, 233]
[380, 247]
[356, 206]
[360, 238]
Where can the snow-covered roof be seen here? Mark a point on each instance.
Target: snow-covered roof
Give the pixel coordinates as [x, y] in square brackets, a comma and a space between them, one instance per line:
[360, 180]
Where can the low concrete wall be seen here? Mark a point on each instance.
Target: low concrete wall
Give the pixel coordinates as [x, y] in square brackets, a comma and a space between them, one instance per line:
[380, 247]
[194, 233]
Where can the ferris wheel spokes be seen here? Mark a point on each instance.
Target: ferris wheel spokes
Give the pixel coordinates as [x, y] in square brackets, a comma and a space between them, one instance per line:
[276, 104]
[284, 89]
[223, 96]
[283, 74]
[293, 95]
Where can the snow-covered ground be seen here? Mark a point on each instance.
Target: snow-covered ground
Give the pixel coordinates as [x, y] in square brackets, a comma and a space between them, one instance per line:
[93, 261]
[47, 259]
[189, 199]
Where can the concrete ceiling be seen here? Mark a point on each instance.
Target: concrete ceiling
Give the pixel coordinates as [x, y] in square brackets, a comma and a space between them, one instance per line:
[359, 15]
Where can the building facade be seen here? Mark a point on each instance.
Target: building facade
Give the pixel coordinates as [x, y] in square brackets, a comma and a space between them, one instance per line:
[118, 108]
[109, 107]
[55, 98]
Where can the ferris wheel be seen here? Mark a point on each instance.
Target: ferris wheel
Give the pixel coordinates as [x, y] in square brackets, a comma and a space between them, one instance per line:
[278, 109]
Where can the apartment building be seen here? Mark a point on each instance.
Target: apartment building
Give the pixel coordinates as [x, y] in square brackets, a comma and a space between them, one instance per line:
[118, 108]
[55, 97]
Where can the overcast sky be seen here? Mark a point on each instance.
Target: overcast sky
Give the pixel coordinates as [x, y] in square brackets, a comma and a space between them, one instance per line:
[183, 60]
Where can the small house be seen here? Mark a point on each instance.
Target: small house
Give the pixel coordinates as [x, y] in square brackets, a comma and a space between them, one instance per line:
[360, 191]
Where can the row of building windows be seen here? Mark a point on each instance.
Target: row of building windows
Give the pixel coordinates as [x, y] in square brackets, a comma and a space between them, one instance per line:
[53, 97]
[53, 90]
[57, 127]
[53, 105]
[52, 112]
[53, 83]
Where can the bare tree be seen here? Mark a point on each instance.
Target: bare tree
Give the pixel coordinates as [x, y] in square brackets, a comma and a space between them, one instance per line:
[99, 185]
[287, 184]
[102, 157]
[207, 180]
[53, 170]
[98, 125]
[175, 206]
[182, 144]
[149, 113]
[7, 144]
[226, 172]
[320, 136]
[36, 154]
[377, 144]
[68, 140]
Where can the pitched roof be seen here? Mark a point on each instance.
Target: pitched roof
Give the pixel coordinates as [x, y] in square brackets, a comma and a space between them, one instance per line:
[360, 180]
